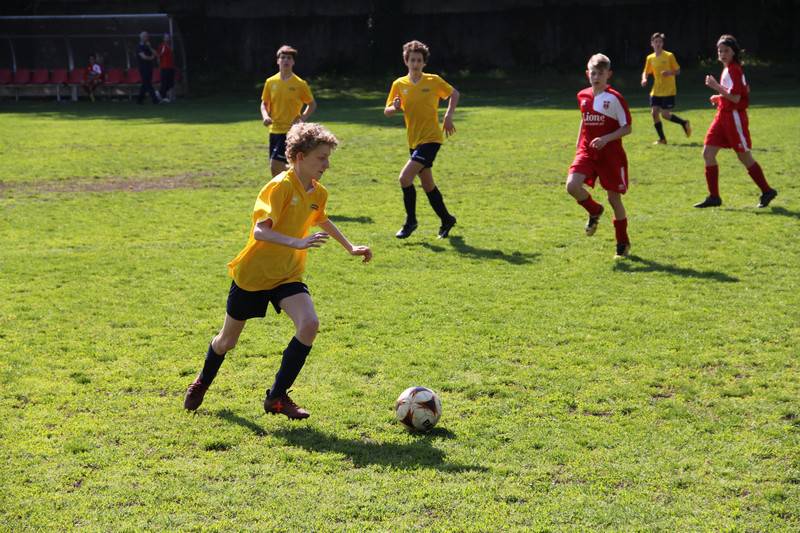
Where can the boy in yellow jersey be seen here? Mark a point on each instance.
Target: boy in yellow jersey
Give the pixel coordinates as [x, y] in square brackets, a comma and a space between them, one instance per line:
[271, 265]
[664, 68]
[282, 100]
[417, 95]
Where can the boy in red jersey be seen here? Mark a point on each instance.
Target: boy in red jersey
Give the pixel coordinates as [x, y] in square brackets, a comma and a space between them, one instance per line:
[730, 127]
[270, 267]
[417, 96]
[605, 119]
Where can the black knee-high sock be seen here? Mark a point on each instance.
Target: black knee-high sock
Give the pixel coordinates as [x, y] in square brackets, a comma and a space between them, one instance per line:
[660, 129]
[437, 203]
[294, 357]
[676, 119]
[410, 203]
[211, 366]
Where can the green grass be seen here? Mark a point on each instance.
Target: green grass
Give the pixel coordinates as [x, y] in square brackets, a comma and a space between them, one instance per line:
[657, 393]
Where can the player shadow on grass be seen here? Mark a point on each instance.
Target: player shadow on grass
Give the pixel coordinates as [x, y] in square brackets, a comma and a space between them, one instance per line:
[345, 218]
[635, 264]
[460, 246]
[417, 454]
[782, 211]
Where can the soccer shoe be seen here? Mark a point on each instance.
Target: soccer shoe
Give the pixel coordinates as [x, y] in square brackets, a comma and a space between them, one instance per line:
[591, 224]
[660, 141]
[710, 201]
[194, 395]
[767, 197]
[687, 128]
[406, 231]
[283, 405]
[444, 229]
[623, 250]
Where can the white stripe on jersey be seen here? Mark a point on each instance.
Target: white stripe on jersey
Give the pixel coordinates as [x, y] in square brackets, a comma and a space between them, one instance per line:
[737, 120]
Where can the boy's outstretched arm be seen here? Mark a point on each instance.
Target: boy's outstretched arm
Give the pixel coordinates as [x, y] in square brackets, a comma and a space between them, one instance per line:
[331, 229]
[449, 127]
[263, 232]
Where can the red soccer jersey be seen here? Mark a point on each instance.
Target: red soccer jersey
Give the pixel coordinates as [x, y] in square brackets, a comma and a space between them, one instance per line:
[165, 53]
[600, 115]
[733, 79]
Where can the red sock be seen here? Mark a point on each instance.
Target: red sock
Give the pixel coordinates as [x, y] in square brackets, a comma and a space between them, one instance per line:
[758, 176]
[621, 231]
[591, 206]
[712, 179]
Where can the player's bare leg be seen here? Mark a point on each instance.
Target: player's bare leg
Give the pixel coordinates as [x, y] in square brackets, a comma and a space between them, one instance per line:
[437, 202]
[300, 309]
[576, 189]
[406, 179]
[712, 177]
[221, 344]
[620, 225]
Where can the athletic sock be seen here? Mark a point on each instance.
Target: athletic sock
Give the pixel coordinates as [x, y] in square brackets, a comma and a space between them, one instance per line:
[712, 180]
[211, 366]
[677, 120]
[591, 206]
[758, 177]
[660, 129]
[621, 231]
[437, 203]
[294, 357]
[410, 203]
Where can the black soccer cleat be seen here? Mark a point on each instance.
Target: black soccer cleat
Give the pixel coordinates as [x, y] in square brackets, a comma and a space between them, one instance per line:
[406, 231]
[194, 395]
[710, 201]
[444, 229]
[591, 224]
[623, 250]
[767, 197]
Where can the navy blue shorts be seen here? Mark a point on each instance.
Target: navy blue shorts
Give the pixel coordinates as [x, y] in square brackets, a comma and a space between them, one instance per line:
[243, 305]
[277, 147]
[664, 102]
[425, 154]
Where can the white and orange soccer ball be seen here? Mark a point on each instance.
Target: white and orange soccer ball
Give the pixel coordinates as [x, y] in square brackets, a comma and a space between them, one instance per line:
[418, 408]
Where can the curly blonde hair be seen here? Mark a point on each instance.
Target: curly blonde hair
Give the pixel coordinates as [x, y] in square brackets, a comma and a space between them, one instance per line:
[305, 136]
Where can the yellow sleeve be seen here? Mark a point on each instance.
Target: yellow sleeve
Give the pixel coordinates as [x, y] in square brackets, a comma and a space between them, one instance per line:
[271, 202]
[673, 63]
[322, 215]
[443, 89]
[265, 94]
[305, 94]
[648, 67]
[394, 92]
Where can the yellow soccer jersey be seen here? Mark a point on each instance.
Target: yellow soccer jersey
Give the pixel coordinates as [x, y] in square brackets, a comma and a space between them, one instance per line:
[655, 65]
[264, 265]
[420, 104]
[284, 100]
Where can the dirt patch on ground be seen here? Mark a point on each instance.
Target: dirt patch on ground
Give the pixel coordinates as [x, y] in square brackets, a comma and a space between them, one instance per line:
[191, 180]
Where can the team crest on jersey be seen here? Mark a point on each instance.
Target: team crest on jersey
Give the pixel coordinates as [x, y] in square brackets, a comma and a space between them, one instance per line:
[606, 104]
[315, 207]
[426, 89]
[405, 91]
[295, 200]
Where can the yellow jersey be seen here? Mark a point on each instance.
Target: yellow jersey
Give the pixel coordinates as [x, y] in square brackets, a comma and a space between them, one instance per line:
[655, 65]
[293, 210]
[284, 100]
[420, 104]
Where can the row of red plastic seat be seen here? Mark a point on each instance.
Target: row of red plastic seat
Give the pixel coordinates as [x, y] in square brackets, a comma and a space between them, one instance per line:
[41, 76]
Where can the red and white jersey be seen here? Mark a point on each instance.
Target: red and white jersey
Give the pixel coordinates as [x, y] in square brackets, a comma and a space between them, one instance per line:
[733, 80]
[600, 115]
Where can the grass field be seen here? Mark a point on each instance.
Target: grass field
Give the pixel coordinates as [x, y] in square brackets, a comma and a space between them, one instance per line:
[660, 392]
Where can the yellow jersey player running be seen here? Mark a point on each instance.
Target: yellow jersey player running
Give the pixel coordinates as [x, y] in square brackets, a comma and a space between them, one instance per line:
[270, 267]
[282, 100]
[417, 96]
[663, 66]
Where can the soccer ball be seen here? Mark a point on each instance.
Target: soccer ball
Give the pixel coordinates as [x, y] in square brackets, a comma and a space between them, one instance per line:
[418, 408]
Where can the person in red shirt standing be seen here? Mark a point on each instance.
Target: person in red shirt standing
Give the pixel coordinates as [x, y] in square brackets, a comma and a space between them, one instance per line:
[167, 64]
[730, 127]
[605, 119]
[94, 77]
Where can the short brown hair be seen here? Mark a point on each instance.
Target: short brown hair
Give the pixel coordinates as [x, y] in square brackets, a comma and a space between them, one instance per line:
[305, 136]
[416, 46]
[286, 49]
[658, 35]
[599, 61]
